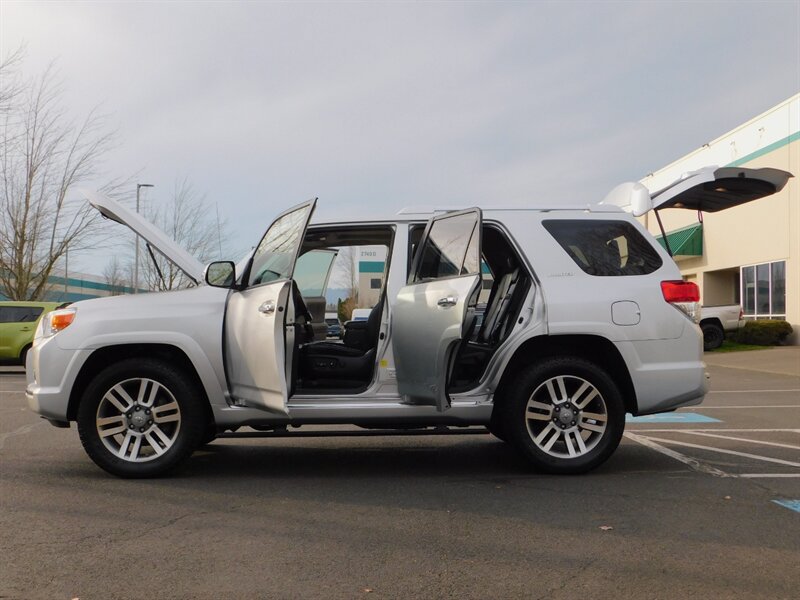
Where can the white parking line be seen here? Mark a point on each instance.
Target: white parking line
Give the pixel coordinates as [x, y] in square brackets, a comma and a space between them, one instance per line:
[733, 452]
[720, 429]
[692, 463]
[709, 407]
[766, 475]
[738, 439]
[753, 391]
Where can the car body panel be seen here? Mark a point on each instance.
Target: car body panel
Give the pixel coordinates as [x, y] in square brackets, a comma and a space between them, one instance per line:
[255, 345]
[259, 320]
[111, 209]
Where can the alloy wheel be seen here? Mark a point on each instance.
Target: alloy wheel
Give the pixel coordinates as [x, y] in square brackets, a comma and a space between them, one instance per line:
[138, 420]
[566, 416]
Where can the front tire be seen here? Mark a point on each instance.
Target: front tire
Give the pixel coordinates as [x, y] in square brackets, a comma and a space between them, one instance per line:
[564, 415]
[140, 418]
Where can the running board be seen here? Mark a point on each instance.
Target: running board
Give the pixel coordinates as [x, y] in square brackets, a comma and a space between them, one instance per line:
[356, 432]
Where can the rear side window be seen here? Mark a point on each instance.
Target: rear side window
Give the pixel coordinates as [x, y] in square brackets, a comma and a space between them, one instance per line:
[451, 249]
[605, 248]
[20, 314]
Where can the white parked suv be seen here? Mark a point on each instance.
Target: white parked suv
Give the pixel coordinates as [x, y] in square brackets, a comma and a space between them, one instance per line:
[586, 318]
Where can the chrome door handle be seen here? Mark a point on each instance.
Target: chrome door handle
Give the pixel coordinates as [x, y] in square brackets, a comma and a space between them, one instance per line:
[267, 307]
[447, 301]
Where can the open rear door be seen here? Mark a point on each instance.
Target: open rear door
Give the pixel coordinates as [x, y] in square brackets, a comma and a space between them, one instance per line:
[429, 313]
[260, 316]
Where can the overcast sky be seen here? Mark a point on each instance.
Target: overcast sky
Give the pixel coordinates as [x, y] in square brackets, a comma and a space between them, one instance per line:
[372, 107]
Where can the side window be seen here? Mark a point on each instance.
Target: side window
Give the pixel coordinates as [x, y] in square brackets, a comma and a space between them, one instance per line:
[605, 248]
[472, 258]
[312, 271]
[20, 314]
[446, 247]
[274, 257]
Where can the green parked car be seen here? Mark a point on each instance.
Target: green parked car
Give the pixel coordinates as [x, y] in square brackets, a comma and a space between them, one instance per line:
[18, 321]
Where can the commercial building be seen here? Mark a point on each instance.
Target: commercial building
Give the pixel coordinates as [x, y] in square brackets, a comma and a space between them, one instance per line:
[750, 254]
[79, 286]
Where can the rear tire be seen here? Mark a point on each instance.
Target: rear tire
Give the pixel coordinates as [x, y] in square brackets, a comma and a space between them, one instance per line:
[713, 336]
[141, 418]
[564, 415]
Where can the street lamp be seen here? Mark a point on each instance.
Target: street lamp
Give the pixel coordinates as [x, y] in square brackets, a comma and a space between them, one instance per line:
[136, 257]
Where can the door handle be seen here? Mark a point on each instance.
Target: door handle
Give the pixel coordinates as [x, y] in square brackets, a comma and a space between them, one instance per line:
[448, 301]
[24, 328]
[267, 307]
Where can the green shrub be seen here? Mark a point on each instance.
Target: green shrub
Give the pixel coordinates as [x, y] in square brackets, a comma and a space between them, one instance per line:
[763, 333]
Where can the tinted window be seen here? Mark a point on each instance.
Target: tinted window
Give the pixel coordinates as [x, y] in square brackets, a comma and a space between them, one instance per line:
[605, 248]
[312, 270]
[445, 248]
[20, 314]
[274, 257]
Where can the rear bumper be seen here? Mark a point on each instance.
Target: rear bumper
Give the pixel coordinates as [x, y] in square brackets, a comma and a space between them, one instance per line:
[666, 374]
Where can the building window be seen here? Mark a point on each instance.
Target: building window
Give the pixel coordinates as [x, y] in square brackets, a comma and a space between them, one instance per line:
[375, 283]
[763, 290]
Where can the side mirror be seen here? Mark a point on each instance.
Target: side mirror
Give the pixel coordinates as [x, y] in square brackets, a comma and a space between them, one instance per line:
[221, 273]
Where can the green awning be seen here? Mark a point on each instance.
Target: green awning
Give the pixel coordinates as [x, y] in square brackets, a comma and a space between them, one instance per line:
[687, 241]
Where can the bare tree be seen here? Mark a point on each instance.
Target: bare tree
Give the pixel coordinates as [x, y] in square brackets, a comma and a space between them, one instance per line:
[116, 276]
[347, 269]
[10, 85]
[189, 219]
[43, 156]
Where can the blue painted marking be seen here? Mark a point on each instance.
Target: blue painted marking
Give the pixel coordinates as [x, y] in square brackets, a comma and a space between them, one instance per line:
[790, 504]
[672, 418]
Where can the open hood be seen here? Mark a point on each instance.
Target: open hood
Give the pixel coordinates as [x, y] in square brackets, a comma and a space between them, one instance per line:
[709, 189]
[150, 233]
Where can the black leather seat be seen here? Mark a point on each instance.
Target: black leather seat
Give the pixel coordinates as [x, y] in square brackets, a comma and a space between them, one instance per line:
[352, 360]
[497, 309]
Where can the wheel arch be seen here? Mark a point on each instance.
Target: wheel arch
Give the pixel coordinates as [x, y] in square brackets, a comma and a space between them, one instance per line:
[592, 348]
[23, 350]
[712, 321]
[107, 355]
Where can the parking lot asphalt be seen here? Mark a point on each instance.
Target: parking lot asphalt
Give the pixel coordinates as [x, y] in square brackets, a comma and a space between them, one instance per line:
[702, 504]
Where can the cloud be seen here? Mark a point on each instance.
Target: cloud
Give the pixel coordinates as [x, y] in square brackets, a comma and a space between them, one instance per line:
[377, 106]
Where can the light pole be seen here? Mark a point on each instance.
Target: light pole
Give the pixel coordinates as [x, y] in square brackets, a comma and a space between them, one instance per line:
[136, 256]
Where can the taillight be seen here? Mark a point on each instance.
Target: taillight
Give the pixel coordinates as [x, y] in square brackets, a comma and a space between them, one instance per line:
[680, 291]
[683, 295]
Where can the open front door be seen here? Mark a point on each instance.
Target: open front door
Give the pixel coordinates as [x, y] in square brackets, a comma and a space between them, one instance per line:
[259, 320]
[429, 313]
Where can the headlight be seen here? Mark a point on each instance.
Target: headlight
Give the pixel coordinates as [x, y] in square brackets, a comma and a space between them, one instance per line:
[57, 320]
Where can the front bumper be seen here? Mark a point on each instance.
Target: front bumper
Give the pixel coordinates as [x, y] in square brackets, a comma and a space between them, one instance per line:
[50, 372]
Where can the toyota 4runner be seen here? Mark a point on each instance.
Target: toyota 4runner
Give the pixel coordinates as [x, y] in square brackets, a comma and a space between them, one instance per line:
[583, 317]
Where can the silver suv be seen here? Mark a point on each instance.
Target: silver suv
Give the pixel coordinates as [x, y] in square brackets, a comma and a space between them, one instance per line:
[583, 317]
